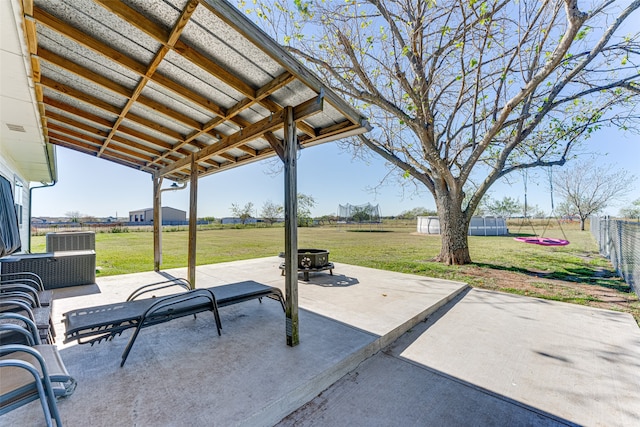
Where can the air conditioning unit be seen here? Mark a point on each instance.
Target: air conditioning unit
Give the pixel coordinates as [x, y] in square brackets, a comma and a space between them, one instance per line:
[71, 241]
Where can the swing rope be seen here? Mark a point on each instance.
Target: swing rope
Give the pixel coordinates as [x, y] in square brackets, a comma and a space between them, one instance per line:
[540, 239]
[525, 178]
[552, 207]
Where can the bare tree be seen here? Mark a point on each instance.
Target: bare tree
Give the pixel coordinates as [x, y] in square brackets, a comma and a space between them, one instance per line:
[271, 212]
[632, 211]
[506, 207]
[305, 204]
[244, 212]
[588, 188]
[415, 212]
[463, 93]
[74, 216]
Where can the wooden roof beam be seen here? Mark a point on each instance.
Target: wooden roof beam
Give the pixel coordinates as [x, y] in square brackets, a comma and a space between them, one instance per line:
[96, 131]
[276, 144]
[236, 20]
[263, 154]
[275, 107]
[88, 148]
[268, 124]
[81, 96]
[123, 60]
[73, 133]
[80, 138]
[161, 35]
[96, 102]
[250, 151]
[338, 128]
[173, 37]
[107, 123]
[228, 157]
[124, 142]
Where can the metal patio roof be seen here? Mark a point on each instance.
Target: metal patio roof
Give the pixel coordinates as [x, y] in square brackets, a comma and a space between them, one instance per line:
[148, 83]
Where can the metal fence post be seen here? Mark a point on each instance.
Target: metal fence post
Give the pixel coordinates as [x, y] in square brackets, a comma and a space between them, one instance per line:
[619, 241]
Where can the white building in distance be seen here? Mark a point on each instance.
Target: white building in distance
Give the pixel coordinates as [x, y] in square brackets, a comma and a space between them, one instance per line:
[170, 216]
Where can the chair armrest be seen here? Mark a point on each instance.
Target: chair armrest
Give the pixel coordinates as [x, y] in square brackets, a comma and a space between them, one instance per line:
[30, 331]
[151, 287]
[32, 279]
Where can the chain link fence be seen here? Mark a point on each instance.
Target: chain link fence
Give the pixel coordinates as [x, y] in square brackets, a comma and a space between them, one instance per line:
[619, 241]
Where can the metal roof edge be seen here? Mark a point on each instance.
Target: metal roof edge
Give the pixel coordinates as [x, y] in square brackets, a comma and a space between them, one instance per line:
[236, 19]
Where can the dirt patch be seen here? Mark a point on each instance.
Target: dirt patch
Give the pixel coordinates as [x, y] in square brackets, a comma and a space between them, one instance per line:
[538, 284]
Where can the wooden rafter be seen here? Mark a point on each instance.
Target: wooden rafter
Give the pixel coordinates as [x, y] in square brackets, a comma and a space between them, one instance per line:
[173, 37]
[182, 115]
[261, 94]
[91, 100]
[267, 124]
[152, 142]
[252, 96]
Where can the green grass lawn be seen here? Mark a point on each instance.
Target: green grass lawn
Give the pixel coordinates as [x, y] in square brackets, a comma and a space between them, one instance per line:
[499, 261]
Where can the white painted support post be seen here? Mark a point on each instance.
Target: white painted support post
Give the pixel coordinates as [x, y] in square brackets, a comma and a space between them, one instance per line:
[291, 228]
[193, 221]
[157, 223]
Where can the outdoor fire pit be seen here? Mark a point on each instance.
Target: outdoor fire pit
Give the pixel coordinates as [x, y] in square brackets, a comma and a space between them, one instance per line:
[311, 260]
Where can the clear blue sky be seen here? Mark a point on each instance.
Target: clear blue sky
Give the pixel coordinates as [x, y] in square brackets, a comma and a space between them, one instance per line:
[100, 188]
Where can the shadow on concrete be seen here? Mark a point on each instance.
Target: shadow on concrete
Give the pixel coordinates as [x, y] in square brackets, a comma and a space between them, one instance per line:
[328, 281]
[76, 291]
[389, 389]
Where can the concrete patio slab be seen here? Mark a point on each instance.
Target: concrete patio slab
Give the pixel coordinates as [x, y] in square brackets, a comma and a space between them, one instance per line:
[490, 358]
[182, 373]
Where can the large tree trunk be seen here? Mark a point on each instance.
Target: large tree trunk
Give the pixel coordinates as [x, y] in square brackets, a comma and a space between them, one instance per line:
[454, 225]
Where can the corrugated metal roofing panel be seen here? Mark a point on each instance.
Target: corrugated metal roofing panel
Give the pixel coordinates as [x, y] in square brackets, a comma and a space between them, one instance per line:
[209, 34]
[153, 133]
[192, 83]
[159, 80]
[176, 103]
[199, 80]
[73, 104]
[153, 116]
[294, 93]
[73, 81]
[87, 58]
[163, 11]
[100, 24]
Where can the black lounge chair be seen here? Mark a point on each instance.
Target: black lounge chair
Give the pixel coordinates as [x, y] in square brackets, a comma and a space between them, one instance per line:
[94, 324]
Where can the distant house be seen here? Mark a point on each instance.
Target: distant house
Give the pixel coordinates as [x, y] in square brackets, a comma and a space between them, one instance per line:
[170, 216]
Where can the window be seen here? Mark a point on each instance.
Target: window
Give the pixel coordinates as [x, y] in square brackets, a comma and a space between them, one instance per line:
[9, 231]
[18, 197]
